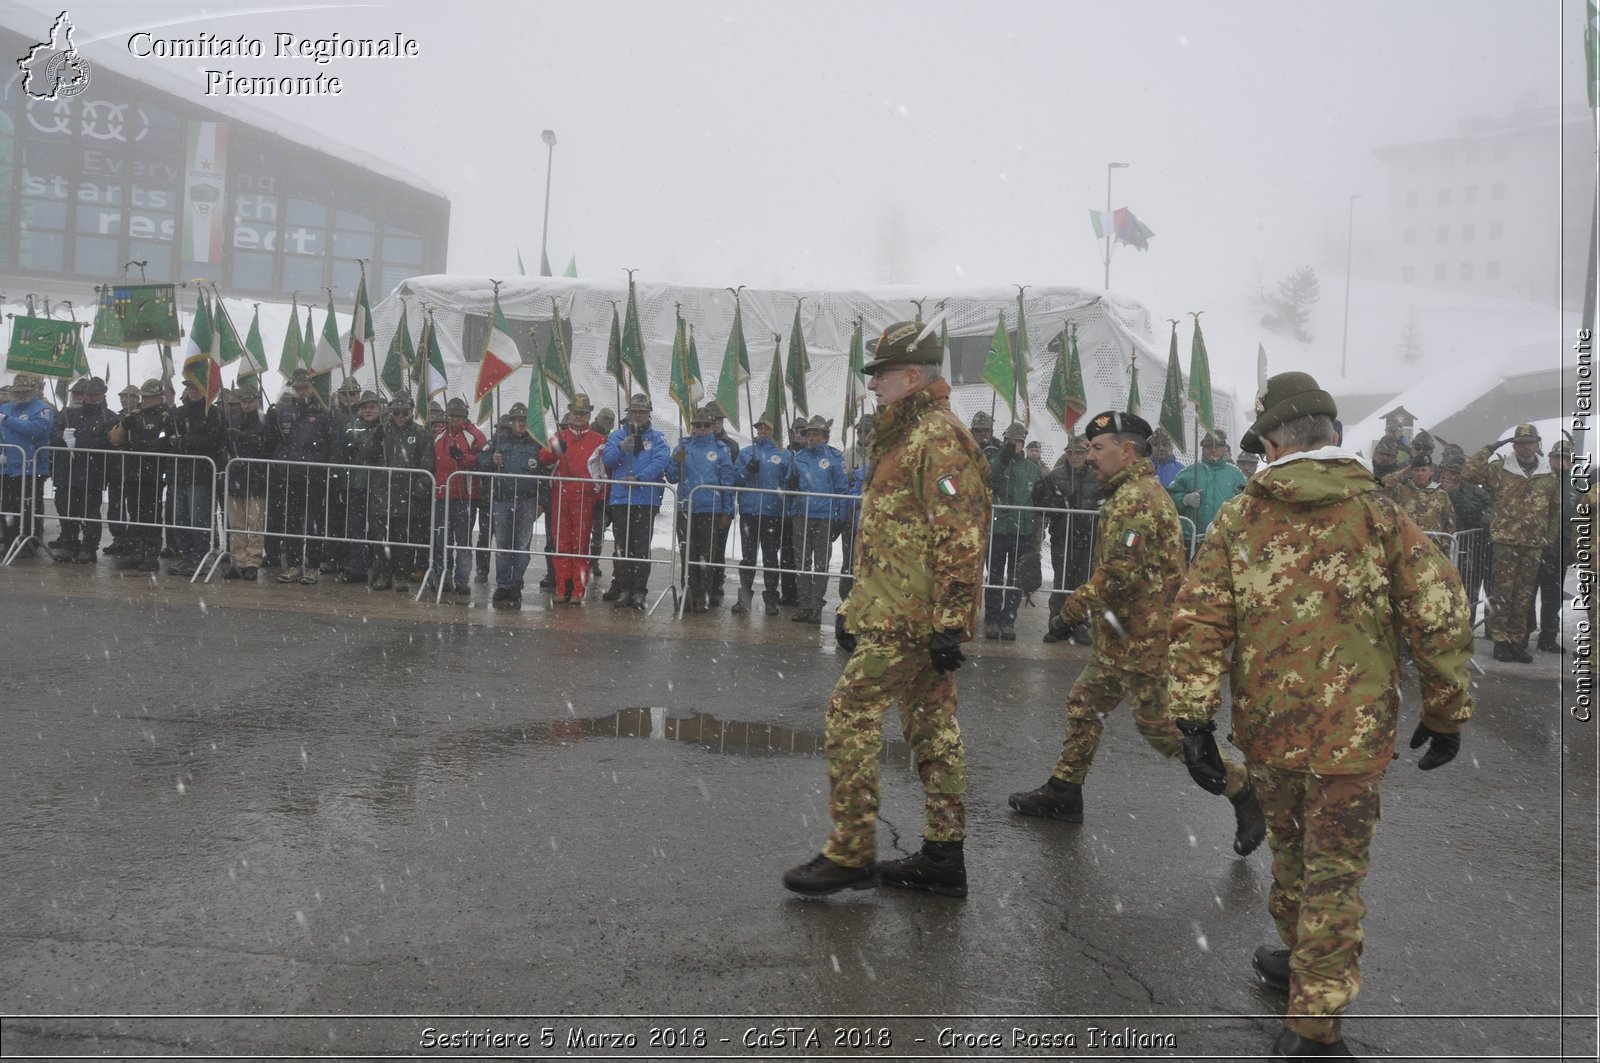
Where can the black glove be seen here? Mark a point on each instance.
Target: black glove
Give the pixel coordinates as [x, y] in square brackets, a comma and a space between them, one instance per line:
[846, 641]
[794, 482]
[945, 649]
[1442, 749]
[455, 452]
[631, 445]
[754, 467]
[1007, 454]
[679, 454]
[1201, 755]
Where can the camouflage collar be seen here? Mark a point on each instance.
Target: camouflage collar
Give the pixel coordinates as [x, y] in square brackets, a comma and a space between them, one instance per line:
[1139, 467]
[895, 419]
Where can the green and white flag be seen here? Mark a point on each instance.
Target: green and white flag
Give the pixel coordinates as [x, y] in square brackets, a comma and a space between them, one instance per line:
[776, 413]
[854, 392]
[289, 356]
[255, 362]
[1200, 378]
[538, 400]
[633, 343]
[735, 367]
[799, 366]
[401, 356]
[1024, 365]
[614, 349]
[230, 348]
[1172, 395]
[200, 353]
[557, 362]
[1066, 401]
[1000, 367]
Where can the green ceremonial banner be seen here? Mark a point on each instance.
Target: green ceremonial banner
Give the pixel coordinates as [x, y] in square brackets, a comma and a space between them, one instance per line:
[633, 343]
[137, 313]
[735, 367]
[1200, 379]
[799, 366]
[1066, 401]
[854, 393]
[614, 348]
[1023, 365]
[557, 362]
[436, 378]
[256, 363]
[1133, 382]
[679, 387]
[289, 356]
[538, 400]
[400, 357]
[999, 368]
[1172, 396]
[197, 361]
[230, 348]
[776, 413]
[45, 346]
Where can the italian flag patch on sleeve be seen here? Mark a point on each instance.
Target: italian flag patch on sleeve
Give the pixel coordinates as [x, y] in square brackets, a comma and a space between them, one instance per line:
[1131, 540]
[947, 486]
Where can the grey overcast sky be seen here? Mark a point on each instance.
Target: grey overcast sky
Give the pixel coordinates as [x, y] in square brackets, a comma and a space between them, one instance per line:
[860, 143]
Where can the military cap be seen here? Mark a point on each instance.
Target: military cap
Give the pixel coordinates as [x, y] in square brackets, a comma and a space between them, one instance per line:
[1561, 446]
[150, 389]
[79, 386]
[1160, 436]
[1034, 444]
[1077, 445]
[605, 420]
[798, 426]
[702, 415]
[456, 407]
[1526, 433]
[401, 401]
[1453, 457]
[905, 343]
[1117, 423]
[434, 409]
[248, 392]
[1015, 431]
[1247, 458]
[639, 404]
[1387, 446]
[24, 382]
[1422, 443]
[227, 396]
[580, 404]
[1288, 396]
[96, 386]
[982, 420]
[299, 379]
[518, 411]
[762, 418]
[369, 397]
[714, 408]
[129, 392]
[819, 423]
[349, 387]
[1423, 460]
[1213, 439]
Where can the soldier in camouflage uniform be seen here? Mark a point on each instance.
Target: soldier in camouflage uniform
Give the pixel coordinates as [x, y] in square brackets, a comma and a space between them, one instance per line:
[1302, 592]
[1558, 554]
[1526, 503]
[1473, 508]
[918, 569]
[1425, 502]
[1138, 565]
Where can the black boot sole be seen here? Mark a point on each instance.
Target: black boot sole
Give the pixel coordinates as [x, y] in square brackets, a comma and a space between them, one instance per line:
[926, 887]
[867, 883]
[1064, 817]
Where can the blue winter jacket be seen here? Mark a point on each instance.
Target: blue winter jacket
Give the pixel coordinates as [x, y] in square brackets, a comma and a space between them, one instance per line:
[818, 470]
[26, 425]
[647, 465]
[519, 457]
[774, 465]
[705, 465]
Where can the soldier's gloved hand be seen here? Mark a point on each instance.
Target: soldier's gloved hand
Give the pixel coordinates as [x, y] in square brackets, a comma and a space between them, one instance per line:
[679, 454]
[1192, 500]
[1442, 748]
[846, 641]
[945, 650]
[754, 467]
[1201, 755]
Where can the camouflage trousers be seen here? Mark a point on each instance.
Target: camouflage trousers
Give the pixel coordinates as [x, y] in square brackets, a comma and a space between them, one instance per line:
[1511, 584]
[1099, 690]
[881, 672]
[1320, 829]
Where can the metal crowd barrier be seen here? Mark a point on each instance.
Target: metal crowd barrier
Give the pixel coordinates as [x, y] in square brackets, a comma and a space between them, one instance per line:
[301, 501]
[802, 536]
[143, 477]
[16, 500]
[539, 544]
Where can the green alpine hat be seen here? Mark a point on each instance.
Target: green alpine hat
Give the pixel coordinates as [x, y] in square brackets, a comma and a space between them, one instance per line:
[1288, 396]
[905, 343]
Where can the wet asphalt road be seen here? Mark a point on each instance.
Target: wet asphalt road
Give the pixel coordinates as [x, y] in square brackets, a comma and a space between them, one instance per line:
[316, 804]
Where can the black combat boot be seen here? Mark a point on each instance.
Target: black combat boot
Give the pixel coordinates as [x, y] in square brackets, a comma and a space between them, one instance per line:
[1272, 967]
[1054, 800]
[1502, 652]
[1519, 652]
[1548, 643]
[822, 876]
[939, 867]
[1249, 823]
[1291, 1045]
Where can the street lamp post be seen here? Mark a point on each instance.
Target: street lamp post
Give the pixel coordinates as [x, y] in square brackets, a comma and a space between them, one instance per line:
[1349, 253]
[549, 137]
[1106, 221]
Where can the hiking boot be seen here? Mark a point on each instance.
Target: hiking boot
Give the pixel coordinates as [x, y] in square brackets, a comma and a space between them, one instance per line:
[382, 581]
[1008, 633]
[462, 587]
[348, 578]
[1054, 800]
[1272, 967]
[1548, 644]
[1502, 651]
[62, 543]
[402, 585]
[822, 876]
[1051, 638]
[149, 563]
[291, 574]
[83, 557]
[639, 600]
[1519, 653]
[248, 573]
[1081, 636]
[742, 606]
[1249, 822]
[939, 867]
[1291, 1045]
[991, 631]
[131, 561]
[308, 576]
[182, 568]
[613, 593]
[772, 606]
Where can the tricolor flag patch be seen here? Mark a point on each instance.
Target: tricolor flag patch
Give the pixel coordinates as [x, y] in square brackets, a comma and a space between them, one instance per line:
[947, 486]
[1131, 540]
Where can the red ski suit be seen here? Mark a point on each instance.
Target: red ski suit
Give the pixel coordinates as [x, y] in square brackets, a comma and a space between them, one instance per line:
[572, 503]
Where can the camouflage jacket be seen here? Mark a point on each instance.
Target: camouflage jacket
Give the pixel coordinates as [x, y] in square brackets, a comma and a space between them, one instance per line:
[1138, 565]
[1312, 577]
[1429, 506]
[1526, 506]
[924, 523]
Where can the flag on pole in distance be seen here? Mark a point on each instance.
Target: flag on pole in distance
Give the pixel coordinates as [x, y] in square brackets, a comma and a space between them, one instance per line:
[679, 386]
[799, 366]
[230, 348]
[289, 356]
[255, 362]
[999, 368]
[326, 356]
[1172, 396]
[633, 343]
[538, 400]
[1200, 379]
[1131, 230]
[776, 413]
[500, 355]
[854, 393]
[200, 352]
[1024, 364]
[614, 348]
[557, 362]
[572, 267]
[1066, 401]
[400, 357]
[361, 337]
[735, 366]
[1133, 381]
